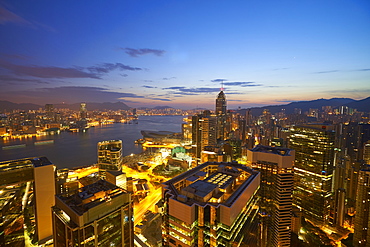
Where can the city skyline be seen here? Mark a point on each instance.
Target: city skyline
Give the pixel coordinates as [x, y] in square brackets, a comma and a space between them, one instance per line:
[179, 53]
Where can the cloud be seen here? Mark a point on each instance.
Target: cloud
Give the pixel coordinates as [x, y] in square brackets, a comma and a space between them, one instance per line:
[326, 71]
[144, 51]
[6, 16]
[68, 94]
[160, 99]
[15, 56]
[218, 80]
[74, 94]
[228, 93]
[192, 91]
[225, 82]
[242, 84]
[6, 79]
[146, 86]
[280, 68]
[107, 67]
[362, 70]
[94, 72]
[168, 78]
[287, 101]
[49, 72]
[174, 88]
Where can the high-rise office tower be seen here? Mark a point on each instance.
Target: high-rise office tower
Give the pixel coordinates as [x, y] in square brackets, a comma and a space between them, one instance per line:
[276, 167]
[366, 152]
[213, 204]
[83, 111]
[361, 237]
[203, 132]
[110, 156]
[313, 170]
[27, 189]
[221, 115]
[49, 109]
[99, 214]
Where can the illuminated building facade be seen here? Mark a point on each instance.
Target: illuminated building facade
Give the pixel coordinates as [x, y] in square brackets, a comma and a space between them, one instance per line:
[221, 115]
[203, 132]
[49, 109]
[99, 214]
[83, 111]
[361, 237]
[367, 152]
[275, 203]
[27, 189]
[213, 204]
[110, 156]
[313, 170]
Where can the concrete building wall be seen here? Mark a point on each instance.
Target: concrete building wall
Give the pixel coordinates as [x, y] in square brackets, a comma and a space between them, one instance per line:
[229, 214]
[182, 211]
[44, 196]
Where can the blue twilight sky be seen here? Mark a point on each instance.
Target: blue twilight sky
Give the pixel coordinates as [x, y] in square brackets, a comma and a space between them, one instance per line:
[177, 52]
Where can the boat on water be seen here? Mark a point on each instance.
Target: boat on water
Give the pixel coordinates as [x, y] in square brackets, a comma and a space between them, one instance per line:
[14, 146]
[44, 142]
[139, 141]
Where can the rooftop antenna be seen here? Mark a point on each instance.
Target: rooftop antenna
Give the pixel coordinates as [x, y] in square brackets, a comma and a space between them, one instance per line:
[222, 85]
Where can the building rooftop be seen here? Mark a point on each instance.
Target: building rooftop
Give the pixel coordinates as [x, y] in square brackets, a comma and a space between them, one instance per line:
[33, 161]
[115, 173]
[211, 182]
[91, 195]
[200, 188]
[274, 150]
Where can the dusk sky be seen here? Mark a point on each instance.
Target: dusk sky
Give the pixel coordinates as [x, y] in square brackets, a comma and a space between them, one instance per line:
[177, 52]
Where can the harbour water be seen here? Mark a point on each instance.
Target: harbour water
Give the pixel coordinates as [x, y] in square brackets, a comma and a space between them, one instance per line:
[69, 149]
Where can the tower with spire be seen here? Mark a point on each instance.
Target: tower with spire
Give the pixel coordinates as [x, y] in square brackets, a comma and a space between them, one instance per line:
[221, 114]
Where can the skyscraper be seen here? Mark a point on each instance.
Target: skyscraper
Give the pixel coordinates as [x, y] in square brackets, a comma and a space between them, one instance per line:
[110, 156]
[49, 109]
[213, 204]
[27, 189]
[361, 237]
[83, 111]
[203, 132]
[275, 195]
[99, 214]
[221, 115]
[313, 169]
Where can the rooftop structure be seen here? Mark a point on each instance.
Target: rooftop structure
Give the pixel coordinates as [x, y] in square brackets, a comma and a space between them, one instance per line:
[97, 214]
[212, 204]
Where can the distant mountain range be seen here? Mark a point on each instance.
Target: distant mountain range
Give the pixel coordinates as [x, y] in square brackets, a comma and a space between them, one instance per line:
[361, 105]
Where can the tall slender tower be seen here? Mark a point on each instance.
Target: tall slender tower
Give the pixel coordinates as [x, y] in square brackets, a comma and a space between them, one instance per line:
[221, 115]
